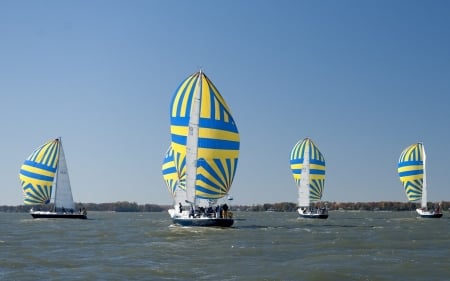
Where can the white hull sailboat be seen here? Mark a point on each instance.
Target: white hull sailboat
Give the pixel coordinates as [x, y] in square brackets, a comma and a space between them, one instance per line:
[412, 173]
[44, 169]
[200, 168]
[308, 169]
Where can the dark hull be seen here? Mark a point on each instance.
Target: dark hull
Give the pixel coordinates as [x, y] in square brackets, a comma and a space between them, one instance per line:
[433, 216]
[314, 216]
[204, 222]
[58, 216]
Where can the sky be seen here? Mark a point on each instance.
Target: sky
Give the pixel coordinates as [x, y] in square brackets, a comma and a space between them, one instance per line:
[363, 79]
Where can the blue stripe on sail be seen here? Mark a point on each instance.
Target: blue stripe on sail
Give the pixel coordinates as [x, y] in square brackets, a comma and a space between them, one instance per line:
[229, 126]
[209, 143]
[213, 189]
[212, 172]
[297, 171]
[37, 194]
[54, 155]
[182, 96]
[316, 172]
[205, 123]
[410, 173]
[227, 170]
[296, 161]
[171, 170]
[39, 166]
[317, 162]
[206, 191]
[36, 176]
[179, 139]
[410, 163]
[212, 95]
[218, 144]
[49, 154]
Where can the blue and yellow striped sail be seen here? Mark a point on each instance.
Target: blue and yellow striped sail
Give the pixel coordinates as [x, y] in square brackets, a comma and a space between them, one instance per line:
[410, 170]
[172, 177]
[218, 145]
[316, 165]
[169, 171]
[37, 173]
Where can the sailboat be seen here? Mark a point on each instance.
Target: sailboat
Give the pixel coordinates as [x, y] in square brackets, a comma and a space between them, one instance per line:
[44, 169]
[205, 143]
[308, 169]
[412, 173]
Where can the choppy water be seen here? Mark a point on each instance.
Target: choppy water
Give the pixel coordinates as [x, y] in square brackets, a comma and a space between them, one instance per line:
[261, 246]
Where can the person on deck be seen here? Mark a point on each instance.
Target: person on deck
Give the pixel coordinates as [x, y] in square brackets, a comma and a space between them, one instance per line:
[225, 210]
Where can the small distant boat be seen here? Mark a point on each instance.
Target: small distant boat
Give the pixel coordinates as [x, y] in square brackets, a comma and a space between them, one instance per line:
[412, 173]
[201, 162]
[308, 169]
[44, 168]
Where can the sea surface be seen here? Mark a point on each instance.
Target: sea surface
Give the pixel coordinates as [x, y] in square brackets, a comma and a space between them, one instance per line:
[261, 246]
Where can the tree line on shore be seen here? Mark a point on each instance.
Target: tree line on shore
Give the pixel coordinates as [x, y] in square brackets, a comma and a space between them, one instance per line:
[124, 206]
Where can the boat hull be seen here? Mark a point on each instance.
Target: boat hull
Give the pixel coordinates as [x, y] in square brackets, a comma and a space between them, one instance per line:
[53, 215]
[203, 222]
[313, 214]
[428, 214]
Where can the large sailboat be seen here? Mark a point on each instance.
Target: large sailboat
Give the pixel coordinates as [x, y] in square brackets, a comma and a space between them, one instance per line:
[412, 173]
[205, 143]
[44, 169]
[308, 169]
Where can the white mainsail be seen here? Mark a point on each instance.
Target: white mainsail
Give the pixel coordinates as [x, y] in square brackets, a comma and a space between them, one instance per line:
[192, 144]
[63, 191]
[424, 187]
[303, 189]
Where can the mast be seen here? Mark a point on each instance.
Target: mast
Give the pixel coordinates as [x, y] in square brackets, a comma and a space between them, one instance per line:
[57, 173]
[303, 190]
[192, 142]
[424, 187]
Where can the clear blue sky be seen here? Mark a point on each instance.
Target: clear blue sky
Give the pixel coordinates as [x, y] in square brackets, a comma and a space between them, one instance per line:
[363, 79]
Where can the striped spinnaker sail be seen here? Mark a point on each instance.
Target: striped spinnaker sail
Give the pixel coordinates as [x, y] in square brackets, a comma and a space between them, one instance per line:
[174, 179]
[169, 171]
[316, 167]
[218, 137]
[411, 171]
[37, 173]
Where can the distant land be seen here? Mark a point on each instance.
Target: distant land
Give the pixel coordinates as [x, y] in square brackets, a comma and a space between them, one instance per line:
[124, 206]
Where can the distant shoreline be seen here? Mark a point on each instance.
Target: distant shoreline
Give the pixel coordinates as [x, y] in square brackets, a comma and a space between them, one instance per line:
[124, 206]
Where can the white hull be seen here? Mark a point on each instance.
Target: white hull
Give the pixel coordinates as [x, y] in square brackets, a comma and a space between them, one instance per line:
[57, 215]
[429, 213]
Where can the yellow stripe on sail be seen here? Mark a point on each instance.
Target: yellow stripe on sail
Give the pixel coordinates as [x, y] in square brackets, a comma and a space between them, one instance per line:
[208, 133]
[410, 168]
[179, 130]
[411, 178]
[216, 153]
[185, 111]
[317, 167]
[205, 111]
[34, 181]
[38, 171]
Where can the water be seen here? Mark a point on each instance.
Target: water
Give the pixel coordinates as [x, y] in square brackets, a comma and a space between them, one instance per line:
[260, 246]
